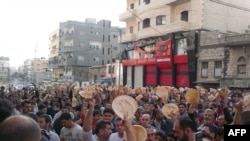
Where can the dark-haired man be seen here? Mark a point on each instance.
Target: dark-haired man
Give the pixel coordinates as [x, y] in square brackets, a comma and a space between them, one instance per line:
[103, 128]
[70, 131]
[184, 129]
[45, 122]
[26, 107]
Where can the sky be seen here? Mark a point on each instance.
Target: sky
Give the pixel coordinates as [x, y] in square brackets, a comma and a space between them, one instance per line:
[26, 24]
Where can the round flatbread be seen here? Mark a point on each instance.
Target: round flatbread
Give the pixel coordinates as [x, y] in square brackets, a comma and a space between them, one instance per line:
[211, 97]
[139, 97]
[86, 94]
[124, 104]
[192, 96]
[140, 133]
[246, 101]
[171, 110]
[161, 91]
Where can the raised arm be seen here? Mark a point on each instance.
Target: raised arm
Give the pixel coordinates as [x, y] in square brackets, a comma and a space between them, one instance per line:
[129, 129]
[89, 117]
[237, 116]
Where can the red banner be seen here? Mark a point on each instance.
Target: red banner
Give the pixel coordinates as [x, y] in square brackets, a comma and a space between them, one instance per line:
[163, 49]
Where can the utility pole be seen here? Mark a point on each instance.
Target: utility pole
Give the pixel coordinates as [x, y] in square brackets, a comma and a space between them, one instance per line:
[111, 64]
[120, 59]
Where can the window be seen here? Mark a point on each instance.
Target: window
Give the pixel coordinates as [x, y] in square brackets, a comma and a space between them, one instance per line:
[241, 68]
[146, 23]
[111, 69]
[108, 51]
[161, 20]
[109, 38]
[132, 6]
[217, 68]
[131, 29]
[96, 59]
[181, 46]
[147, 1]
[81, 44]
[82, 33]
[115, 48]
[184, 16]
[139, 26]
[204, 69]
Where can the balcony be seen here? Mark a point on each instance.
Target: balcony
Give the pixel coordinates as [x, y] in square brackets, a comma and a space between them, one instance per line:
[164, 29]
[128, 38]
[67, 49]
[235, 40]
[175, 2]
[128, 15]
[66, 62]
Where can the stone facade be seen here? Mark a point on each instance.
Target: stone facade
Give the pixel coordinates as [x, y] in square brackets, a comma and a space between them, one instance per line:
[233, 51]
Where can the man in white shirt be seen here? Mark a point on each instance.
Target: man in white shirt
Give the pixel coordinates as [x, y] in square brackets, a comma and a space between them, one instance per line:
[70, 131]
[119, 135]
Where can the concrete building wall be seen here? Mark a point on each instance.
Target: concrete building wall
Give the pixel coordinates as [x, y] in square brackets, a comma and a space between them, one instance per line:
[225, 15]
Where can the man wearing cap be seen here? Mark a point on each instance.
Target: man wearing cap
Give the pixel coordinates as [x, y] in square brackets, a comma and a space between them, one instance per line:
[103, 128]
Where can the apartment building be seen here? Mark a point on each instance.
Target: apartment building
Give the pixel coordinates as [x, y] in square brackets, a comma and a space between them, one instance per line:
[4, 70]
[76, 46]
[27, 68]
[180, 23]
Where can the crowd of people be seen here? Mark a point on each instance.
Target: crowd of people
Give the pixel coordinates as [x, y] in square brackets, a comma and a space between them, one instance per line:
[61, 113]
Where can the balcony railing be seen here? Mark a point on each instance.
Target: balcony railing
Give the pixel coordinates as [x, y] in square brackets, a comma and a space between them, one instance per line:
[163, 29]
[175, 2]
[67, 49]
[128, 37]
[128, 15]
